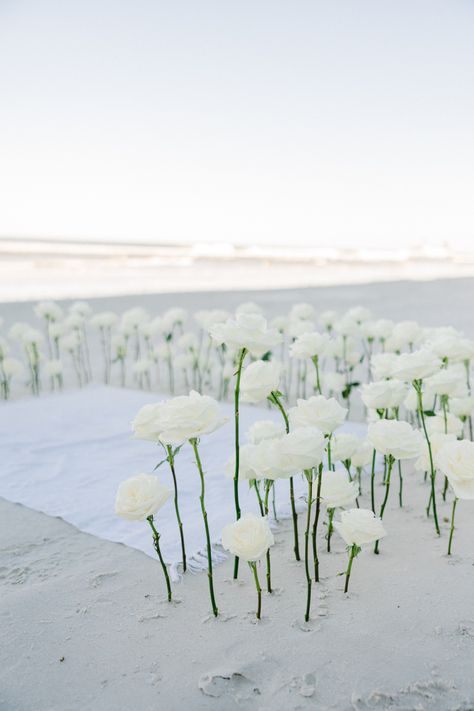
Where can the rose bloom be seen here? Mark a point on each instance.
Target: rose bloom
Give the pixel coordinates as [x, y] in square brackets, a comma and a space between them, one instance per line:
[383, 394]
[297, 327]
[382, 365]
[139, 497]
[259, 380]
[437, 441]
[360, 527]
[347, 326]
[318, 411]
[49, 310]
[334, 382]
[309, 345]
[343, 446]
[248, 538]
[247, 331]
[337, 490]
[456, 461]
[448, 381]
[248, 307]
[302, 312]
[437, 424]
[395, 438]
[264, 429]
[407, 332]
[104, 319]
[132, 318]
[256, 461]
[417, 365]
[363, 455]
[462, 406]
[303, 448]
[328, 318]
[455, 348]
[174, 421]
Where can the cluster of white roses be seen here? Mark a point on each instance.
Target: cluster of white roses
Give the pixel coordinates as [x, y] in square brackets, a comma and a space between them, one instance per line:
[418, 406]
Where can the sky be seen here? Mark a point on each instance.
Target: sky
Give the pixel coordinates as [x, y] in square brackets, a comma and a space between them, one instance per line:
[314, 122]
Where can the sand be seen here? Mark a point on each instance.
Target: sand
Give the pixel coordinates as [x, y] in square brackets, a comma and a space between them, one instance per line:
[85, 625]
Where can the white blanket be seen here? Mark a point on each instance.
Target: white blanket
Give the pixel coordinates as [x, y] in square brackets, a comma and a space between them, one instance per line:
[65, 455]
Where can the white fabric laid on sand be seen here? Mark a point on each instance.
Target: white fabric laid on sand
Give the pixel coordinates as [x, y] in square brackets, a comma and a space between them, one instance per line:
[65, 454]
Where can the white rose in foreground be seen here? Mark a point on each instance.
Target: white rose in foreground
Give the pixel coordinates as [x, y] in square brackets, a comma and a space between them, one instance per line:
[264, 429]
[140, 496]
[309, 345]
[318, 411]
[248, 331]
[259, 380]
[417, 365]
[337, 490]
[343, 446]
[360, 527]
[383, 394]
[174, 421]
[437, 441]
[456, 461]
[303, 448]
[248, 538]
[453, 425]
[395, 438]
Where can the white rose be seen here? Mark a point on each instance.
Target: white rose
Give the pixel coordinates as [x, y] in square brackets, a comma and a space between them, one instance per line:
[139, 497]
[454, 348]
[359, 313]
[248, 307]
[302, 311]
[462, 406]
[12, 367]
[248, 538]
[53, 368]
[104, 319]
[382, 365]
[395, 438]
[303, 448]
[363, 455]
[182, 418]
[456, 461]
[334, 382]
[324, 413]
[337, 490]
[49, 310]
[280, 323]
[448, 381]
[82, 308]
[406, 333]
[347, 326]
[309, 345]
[360, 527]
[437, 441]
[383, 327]
[247, 331]
[258, 380]
[343, 446]
[297, 327]
[417, 365]
[264, 429]
[383, 394]
[453, 425]
[328, 318]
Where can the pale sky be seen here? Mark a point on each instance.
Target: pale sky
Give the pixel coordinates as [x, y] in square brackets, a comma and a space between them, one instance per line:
[324, 122]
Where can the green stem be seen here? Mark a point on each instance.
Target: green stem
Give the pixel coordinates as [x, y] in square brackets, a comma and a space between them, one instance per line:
[390, 461]
[242, 355]
[451, 533]
[274, 397]
[418, 386]
[259, 590]
[330, 528]
[169, 451]
[268, 486]
[156, 543]
[372, 481]
[400, 481]
[315, 360]
[309, 476]
[352, 555]
[193, 443]
[315, 526]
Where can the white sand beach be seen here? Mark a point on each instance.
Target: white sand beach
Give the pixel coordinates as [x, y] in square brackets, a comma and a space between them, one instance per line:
[86, 625]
